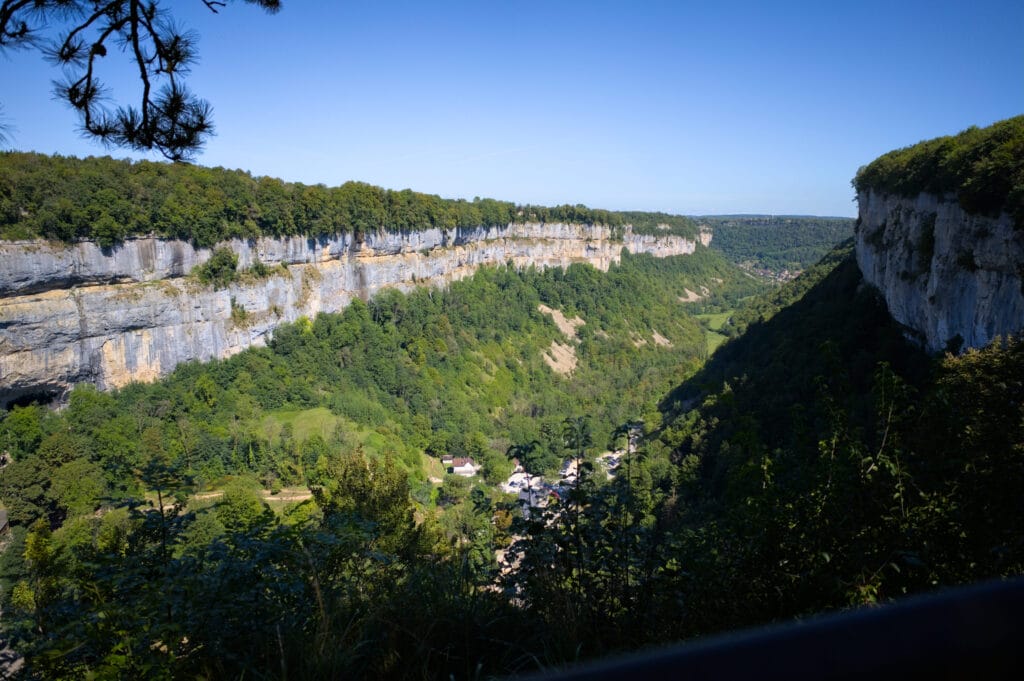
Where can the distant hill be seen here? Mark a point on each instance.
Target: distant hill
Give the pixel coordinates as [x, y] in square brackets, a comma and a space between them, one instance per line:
[776, 246]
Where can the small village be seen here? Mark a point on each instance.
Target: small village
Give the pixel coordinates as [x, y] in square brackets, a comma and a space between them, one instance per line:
[535, 492]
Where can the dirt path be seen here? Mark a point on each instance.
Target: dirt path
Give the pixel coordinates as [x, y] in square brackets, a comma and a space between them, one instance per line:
[288, 494]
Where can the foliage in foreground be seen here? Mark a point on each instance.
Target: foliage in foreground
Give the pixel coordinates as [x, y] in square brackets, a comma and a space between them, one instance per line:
[817, 462]
[166, 117]
[683, 542]
[233, 592]
[826, 463]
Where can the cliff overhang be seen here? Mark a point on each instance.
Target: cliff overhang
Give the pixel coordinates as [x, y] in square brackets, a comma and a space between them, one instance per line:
[954, 279]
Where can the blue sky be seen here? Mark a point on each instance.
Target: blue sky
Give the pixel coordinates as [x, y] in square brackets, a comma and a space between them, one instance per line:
[694, 108]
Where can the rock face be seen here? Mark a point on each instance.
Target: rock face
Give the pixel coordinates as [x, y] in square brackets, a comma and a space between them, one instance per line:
[948, 276]
[74, 313]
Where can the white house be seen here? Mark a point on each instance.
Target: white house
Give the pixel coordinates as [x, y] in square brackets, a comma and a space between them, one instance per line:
[465, 467]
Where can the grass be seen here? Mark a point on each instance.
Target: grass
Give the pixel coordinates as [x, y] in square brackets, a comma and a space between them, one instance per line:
[375, 442]
[211, 497]
[306, 422]
[288, 496]
[433, 467]
[714, 323]
[714, 340]
[715, 320]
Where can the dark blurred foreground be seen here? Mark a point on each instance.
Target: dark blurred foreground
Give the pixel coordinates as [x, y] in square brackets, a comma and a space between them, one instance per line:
[974, 632]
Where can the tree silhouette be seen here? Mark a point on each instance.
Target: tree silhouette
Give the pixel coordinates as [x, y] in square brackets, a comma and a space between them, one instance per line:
[631, 431]
[526, 454]
[168, 118]
[578, 438]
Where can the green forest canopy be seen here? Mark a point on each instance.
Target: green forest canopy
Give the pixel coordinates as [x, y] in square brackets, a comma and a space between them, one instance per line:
[458, 371]
[816, 462]
[983, 167]
[824, 461]
[776, 242]
[109, 200]
[347, 404]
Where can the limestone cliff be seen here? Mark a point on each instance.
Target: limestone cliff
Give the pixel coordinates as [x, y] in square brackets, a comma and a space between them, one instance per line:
[947, 275]
[74, 313]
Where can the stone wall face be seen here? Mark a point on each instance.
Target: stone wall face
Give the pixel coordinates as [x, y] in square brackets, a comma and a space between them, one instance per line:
[80, 313]
[946, 275]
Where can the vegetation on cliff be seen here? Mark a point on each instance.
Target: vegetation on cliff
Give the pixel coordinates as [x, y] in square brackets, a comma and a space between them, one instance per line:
[108, 495]
[824, 461]
[983, 167]
[109, 200]
[816, 462]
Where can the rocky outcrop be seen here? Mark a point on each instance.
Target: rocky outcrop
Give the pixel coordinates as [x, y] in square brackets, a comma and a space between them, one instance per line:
[78, 313]
[952, 278]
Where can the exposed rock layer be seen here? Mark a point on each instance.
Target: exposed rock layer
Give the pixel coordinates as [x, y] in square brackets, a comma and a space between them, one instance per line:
[78, 313]
[950, 277]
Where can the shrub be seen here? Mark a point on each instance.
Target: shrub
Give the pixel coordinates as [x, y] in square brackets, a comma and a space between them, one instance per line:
[220, 270]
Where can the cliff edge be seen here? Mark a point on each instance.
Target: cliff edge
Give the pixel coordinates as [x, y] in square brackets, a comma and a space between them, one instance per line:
[955, 280]
[940, 233]
[81, 312]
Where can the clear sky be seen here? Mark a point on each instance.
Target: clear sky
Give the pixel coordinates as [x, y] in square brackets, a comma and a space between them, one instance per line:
[684, 107]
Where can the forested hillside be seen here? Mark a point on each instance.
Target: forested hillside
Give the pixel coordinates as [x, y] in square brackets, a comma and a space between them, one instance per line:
[108, 200]
[285, 513]
[357, 407]
[817, 461]
[825, 462]
[768, 244]
[460, 371]
[764, 306]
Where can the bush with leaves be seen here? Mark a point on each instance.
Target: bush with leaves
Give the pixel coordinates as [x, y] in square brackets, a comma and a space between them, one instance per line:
[220, 270]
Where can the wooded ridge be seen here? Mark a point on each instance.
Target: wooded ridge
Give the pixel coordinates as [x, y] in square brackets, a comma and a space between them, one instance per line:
[109, 200]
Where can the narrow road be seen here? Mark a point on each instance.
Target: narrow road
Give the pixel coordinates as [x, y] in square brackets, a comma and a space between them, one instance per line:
[286, 494]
